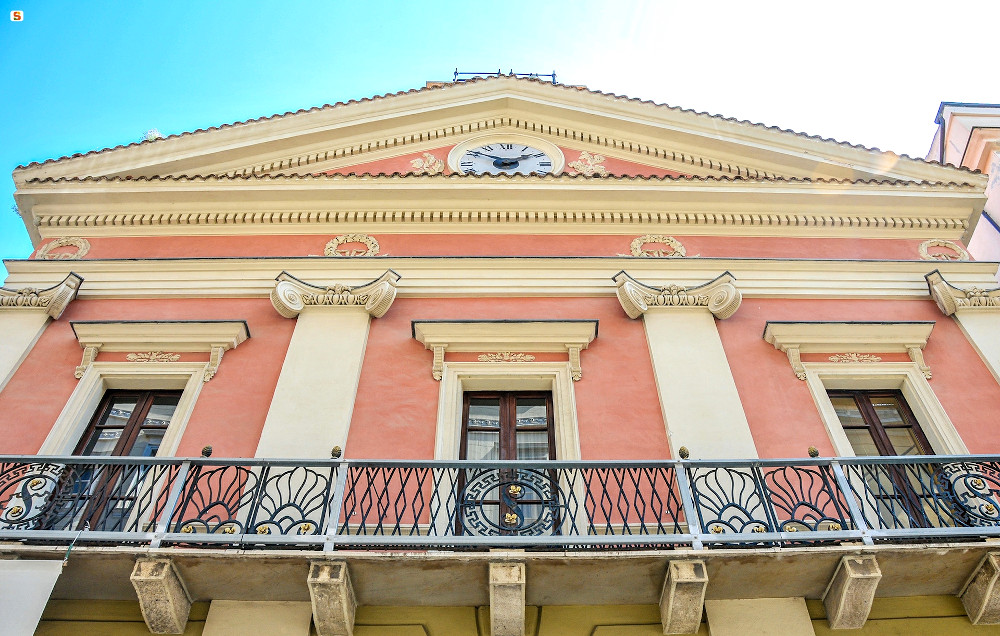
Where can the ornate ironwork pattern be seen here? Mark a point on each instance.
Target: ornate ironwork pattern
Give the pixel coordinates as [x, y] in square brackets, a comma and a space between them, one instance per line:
[324, 504]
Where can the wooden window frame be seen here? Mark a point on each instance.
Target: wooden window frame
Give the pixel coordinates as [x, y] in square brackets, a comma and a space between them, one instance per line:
[132, 428]
[508, 421]
[863, 399]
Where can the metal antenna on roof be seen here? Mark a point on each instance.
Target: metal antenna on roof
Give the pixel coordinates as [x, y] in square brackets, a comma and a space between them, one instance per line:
[152, 134]
[464, 76]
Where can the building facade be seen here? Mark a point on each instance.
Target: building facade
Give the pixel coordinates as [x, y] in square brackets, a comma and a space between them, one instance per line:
[351, 370]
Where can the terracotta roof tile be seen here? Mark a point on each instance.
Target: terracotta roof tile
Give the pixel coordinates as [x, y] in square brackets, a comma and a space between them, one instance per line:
[448, 85]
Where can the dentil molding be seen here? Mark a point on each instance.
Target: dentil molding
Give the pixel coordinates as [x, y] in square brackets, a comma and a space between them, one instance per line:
[720, 296]
[951, 299]
[52, 301]
[291, 295]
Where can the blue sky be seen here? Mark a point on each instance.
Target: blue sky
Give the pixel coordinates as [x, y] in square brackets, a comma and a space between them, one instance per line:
[86, 75]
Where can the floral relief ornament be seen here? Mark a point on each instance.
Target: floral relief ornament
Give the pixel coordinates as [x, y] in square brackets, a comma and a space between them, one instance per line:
[506, 356]
[855, 357]
[333, 247]
[427, 164]
[153, 356]
[82, 247]
[673, 248]
[589, 164]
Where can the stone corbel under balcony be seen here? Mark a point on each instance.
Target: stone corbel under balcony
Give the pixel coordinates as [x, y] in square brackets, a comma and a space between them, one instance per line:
[156, 337]
[795, 338]
[291, 295]
[951, 299]
[720, 295]
[52, 300]
[570, 336]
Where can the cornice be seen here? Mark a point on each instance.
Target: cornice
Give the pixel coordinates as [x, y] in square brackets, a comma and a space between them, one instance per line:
[52, 301]
[291, 295]
[719, 296]
[951, 299]
[429, 102]
[499, 277]
[463, 203]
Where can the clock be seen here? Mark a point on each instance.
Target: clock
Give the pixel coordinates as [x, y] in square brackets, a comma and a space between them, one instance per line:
[505, 158]
[506, 153]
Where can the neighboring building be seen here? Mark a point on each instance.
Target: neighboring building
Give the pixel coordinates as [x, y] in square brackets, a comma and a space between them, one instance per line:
[659, 328]
[968, 135]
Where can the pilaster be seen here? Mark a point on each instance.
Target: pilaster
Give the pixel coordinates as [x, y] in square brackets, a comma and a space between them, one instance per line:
[313, 400]
[977, 312]
[24, 313]
[701, 406]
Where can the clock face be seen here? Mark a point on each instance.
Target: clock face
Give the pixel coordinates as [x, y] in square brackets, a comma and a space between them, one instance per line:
[505, 158]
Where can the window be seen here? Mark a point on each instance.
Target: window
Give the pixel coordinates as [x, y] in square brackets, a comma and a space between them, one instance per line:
[879, 423]
[507, 425]
[129, 423]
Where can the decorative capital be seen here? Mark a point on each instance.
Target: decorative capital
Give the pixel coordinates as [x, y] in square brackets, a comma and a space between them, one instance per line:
[720, 296]
[52, 301]
[950, 299]
[290, 295]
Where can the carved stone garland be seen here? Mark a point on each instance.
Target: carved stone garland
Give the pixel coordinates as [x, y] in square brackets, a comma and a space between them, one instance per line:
[589, 164]
[720, 296]
[950, 299]
[506, 356]
[960, 253]
[290, 295]
[82, 247]
[866, 358]
[52, 300]
[153, 356]
[675, 249]
[370, 243]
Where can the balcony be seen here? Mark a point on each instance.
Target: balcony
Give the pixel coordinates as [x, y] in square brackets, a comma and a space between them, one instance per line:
[440, 505]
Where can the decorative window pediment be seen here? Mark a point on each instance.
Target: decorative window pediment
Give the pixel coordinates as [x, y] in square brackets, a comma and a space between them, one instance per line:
[719, 296]
[795, 338]
[213, 336]
[52, 300]
[506, 335]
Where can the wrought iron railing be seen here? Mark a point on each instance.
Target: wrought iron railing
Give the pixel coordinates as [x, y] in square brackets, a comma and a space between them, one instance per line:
[453, 505]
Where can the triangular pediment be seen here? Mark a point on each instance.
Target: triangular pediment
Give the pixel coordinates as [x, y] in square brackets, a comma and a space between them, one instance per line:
[394, 133]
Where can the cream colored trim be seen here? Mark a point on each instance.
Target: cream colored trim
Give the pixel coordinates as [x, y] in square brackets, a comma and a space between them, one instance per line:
[719, 296]
[215, 337]
[103, 376]
[793, 338]
[290, 295]
[459, 377]
[904, 376]
[549, 148]
[951, 299]
[449, 277]
[53, 301]
[512, 335]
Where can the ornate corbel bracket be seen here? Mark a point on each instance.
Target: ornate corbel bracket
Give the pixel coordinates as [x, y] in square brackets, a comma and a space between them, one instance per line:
[52, 300]
[950, 299]
[89, 355]
[214, 360]
[290, 295]
[437, 368]
[575, 368]
[916, 353]
[795, 359]
[720, 296]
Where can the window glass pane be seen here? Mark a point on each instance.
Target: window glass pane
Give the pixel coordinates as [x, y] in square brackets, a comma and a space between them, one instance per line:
[903, 441]
[862, 442]
[532, 445]
[102, 442]
[484, 412]
[161, 410]
[888, 411]
[847, 411]
[531, 412]
[147, 442]
[482, 445]
[120, 411]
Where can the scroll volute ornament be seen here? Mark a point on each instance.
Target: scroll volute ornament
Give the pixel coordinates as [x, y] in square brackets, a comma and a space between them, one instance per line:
[52, 300]
[720, 296]
[950, 299]
[290, 295]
